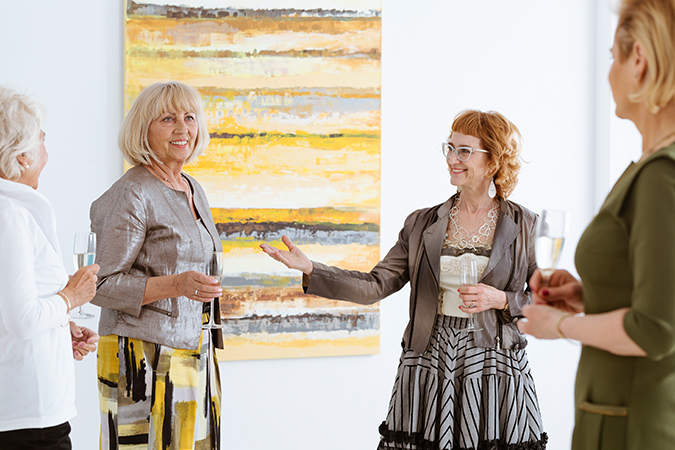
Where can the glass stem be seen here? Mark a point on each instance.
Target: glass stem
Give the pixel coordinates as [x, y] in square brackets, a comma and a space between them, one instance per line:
[545, 280]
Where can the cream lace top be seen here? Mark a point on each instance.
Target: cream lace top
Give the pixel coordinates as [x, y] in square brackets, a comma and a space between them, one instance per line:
[463, 245]
[448, 297]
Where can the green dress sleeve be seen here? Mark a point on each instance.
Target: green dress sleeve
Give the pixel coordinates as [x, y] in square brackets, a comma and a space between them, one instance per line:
[649, 216]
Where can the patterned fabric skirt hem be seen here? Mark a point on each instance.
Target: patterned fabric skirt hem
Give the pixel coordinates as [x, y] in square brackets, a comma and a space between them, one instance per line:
[460, 396]
[157, 397]
[415, 441]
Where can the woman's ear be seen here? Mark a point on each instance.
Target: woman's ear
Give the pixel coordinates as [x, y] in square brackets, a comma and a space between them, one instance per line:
[23, 160]
[639, 55]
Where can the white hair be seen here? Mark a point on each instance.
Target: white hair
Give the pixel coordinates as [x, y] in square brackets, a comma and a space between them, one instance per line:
[20, 125]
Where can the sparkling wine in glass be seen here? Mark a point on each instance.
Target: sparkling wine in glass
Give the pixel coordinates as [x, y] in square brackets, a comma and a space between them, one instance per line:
[549, 241]
[213, 268]
[468, 276]
[84, 254]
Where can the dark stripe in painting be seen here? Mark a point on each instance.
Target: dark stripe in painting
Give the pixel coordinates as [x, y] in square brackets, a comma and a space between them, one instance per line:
[301, 323]
[186, 12]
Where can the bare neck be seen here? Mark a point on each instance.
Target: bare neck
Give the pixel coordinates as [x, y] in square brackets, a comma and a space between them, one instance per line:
[167, 172]
[474, 202]
[657, 130]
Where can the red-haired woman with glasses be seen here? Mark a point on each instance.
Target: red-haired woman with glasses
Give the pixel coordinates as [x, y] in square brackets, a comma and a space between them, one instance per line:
[455, 388]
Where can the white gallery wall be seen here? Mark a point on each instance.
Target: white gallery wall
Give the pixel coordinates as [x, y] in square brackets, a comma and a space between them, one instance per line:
[543, 64]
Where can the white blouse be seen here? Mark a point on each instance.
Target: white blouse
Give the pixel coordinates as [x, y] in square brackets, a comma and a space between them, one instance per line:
[37, 379]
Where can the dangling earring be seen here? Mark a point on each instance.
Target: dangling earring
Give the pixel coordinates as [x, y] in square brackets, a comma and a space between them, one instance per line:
[492, 190]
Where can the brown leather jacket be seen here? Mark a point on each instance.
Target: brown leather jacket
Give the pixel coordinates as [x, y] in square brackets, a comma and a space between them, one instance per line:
[416, 258]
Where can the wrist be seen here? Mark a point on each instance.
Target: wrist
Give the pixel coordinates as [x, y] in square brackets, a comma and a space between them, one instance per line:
[69, 306]
[505, 306]
[558, 325]
[67, 298]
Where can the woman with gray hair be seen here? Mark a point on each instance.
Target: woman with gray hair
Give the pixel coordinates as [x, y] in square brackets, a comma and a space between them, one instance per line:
[158, 375]
[37, 379]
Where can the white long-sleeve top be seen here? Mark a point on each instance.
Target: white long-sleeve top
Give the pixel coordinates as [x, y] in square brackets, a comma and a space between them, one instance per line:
[37, 379]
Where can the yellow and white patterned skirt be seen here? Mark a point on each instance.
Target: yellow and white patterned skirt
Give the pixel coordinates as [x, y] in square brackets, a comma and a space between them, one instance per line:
[158, 397]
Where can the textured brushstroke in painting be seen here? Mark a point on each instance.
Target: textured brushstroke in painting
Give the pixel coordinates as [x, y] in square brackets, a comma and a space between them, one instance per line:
[292, 100]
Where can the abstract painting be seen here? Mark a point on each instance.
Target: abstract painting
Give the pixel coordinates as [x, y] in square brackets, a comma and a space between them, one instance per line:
[292, 101]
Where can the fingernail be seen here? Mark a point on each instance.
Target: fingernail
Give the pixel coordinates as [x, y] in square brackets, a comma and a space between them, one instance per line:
[457, 290]
[544, 292]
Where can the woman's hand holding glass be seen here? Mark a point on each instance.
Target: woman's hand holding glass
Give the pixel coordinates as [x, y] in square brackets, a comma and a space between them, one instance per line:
[81, 286]
[481, 298]
[563, 292]
[197, 286]
[293, 258]
[559, 296]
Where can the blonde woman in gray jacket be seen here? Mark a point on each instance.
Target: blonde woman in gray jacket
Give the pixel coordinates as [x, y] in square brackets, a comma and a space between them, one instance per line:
[157, 372]
[456, 389]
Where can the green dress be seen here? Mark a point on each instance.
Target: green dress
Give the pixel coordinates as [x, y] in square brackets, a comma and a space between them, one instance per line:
[626, 258]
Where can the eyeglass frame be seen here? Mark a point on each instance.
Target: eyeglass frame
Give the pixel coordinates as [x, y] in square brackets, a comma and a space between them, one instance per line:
[447, 153]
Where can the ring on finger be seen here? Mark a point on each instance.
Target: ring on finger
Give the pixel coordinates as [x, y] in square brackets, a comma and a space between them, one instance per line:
[196, 292]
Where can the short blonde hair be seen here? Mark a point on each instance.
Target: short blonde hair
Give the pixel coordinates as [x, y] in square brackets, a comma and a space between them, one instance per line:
[20, 125]
[500, 138]
[154, 101]
[652, 22]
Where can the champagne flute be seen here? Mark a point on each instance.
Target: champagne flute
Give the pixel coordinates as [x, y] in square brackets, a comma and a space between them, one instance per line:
[468, 276]
[213, 268]
[84, 254]
[549, 241]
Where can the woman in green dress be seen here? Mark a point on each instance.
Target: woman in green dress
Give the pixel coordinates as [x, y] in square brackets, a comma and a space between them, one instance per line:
[625, 387]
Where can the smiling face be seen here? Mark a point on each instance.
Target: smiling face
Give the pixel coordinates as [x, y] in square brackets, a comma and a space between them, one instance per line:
[471, 174]
[172, 136]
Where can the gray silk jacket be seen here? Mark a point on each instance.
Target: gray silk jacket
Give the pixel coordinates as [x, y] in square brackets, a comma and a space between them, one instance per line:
[145, 229]
[416, 259]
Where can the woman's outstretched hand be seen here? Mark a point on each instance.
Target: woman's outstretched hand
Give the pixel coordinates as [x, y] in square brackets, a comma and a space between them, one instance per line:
[293, 258]
[563, 292]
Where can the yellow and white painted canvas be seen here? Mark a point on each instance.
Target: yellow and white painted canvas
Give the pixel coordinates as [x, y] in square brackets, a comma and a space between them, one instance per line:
[292, 100]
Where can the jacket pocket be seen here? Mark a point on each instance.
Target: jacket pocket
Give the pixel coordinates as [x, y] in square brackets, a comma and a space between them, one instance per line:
[600, 426]
[157, 310]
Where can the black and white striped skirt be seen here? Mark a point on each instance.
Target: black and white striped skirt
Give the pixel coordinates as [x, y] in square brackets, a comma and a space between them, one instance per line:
[459, 396]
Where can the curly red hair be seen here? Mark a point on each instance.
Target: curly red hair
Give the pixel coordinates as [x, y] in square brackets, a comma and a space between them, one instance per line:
[498, 136]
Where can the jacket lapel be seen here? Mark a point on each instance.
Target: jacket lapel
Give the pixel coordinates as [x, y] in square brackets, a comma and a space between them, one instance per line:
[505, 233]
[433, 238]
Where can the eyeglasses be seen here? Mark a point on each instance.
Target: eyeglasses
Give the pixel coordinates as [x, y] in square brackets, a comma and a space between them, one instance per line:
[463, 153]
